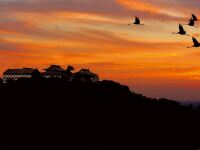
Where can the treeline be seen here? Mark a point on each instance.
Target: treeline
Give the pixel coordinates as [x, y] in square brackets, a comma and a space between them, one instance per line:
[56, 114]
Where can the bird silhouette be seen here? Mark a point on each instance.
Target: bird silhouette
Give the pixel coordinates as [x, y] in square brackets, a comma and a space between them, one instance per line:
[192, 23]
[181, 31]
[194, 18]
[196, 43]
[136, 21]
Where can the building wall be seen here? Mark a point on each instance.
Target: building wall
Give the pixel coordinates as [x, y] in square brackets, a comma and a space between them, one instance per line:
[15, 77]
[52, 76]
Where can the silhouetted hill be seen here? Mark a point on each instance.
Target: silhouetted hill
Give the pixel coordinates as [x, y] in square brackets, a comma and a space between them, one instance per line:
[56, 114]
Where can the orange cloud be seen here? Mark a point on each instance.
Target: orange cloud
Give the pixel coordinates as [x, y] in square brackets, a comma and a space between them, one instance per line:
[139, 5]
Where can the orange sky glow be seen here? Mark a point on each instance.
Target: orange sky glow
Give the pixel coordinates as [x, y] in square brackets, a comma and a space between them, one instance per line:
[94, 34]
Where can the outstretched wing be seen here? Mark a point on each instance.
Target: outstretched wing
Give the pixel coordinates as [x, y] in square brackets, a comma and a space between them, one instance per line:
[181, 28]
[195, 41]
[194, 17]
[191, 22]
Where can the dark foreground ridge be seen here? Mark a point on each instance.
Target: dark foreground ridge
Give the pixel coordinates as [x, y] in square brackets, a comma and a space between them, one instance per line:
[56, 114]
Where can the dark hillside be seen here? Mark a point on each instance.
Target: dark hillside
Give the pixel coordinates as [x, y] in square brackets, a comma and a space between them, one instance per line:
[55, 114]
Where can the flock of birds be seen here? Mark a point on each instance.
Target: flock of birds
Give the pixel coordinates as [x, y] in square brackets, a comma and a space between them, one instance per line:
[182, 31]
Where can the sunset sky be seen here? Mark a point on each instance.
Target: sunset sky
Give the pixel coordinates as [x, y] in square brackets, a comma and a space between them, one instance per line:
[94, 34]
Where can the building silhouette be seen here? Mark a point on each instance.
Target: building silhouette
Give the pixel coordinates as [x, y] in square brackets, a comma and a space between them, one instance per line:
[85, 75]
[15, 74]
[53, 71]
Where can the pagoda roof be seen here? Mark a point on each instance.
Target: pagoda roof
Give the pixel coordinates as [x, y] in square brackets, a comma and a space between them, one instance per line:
[86, 72]
[20, 71]
[55, 68]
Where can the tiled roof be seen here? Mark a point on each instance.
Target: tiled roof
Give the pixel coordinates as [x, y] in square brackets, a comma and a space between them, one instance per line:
[55, 68]
[20, 71]
[86, 72]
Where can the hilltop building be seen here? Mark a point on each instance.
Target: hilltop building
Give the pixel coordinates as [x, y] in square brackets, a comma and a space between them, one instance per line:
[85, 75]
[15, 74]
[54, 71]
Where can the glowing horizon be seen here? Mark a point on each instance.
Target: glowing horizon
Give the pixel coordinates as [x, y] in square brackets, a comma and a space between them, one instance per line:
[94, 34]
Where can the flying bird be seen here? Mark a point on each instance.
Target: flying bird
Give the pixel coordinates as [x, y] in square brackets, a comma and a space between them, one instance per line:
[192, 23]
[136, 21]
[181, 31]
[196, 43]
